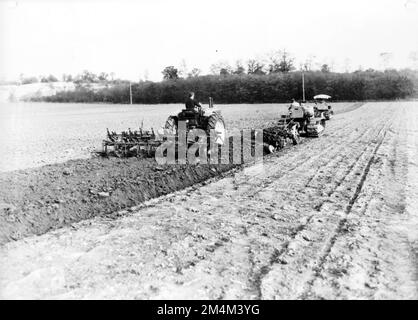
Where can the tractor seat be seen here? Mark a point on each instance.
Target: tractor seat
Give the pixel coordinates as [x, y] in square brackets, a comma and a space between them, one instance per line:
[188, 111]
[188, 114]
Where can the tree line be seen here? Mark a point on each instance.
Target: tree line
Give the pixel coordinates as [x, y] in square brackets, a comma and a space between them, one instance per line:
[275, 86]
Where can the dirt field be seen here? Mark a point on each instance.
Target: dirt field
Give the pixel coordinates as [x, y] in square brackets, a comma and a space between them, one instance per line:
[335, 217]
[36, 200]
[36, 134]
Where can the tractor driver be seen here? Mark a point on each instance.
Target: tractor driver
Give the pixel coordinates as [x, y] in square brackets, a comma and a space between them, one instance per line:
[191, 103]
[294, 104]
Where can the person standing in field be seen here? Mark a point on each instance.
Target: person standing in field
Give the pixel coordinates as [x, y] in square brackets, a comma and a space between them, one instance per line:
[191, 103]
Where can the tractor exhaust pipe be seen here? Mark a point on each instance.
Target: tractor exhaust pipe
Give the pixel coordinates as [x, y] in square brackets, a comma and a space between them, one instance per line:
[210, 102]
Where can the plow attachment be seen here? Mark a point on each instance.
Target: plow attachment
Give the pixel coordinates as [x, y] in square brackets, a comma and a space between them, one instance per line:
[143, 144]
[131, 143]
[277, 137]
[315, 127]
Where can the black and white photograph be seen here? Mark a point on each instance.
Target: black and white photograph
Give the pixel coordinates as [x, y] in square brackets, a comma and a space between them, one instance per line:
[195, 150]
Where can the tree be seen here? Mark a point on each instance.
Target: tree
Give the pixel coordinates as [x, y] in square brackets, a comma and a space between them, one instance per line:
[224, 72]
[52, 78]
[170, 73]
[221, 68]
[67, 77]
[255, 67]
[239, 68]
[103, 76]
[86, 77]
[325, 68]
[29, 80]
[194, 73]
[308, 64]
[280, 61]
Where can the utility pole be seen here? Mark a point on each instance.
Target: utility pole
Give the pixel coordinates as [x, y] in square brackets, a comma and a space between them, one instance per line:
[130, 92]
[303, 86]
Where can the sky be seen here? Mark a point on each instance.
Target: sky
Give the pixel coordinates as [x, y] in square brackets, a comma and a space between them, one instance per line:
[137, 39]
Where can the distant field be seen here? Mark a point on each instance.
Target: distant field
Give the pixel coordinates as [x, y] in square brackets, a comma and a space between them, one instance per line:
[34, 134]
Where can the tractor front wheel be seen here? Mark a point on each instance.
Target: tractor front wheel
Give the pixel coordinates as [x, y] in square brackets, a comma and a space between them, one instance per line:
[217, 124]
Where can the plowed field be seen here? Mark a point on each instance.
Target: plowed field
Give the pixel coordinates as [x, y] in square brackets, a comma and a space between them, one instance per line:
[335, 218]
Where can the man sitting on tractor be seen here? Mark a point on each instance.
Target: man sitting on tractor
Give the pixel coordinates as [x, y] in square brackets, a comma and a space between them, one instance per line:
[294, 104]
[191, 103]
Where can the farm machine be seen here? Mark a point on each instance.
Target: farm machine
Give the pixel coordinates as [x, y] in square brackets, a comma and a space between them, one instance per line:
[302, 120]
[143, 143]
[131, 143]
[322, 106]
[206, 119]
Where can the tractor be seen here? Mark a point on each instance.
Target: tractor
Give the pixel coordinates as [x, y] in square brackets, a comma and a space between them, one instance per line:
[206, 119]
[302, 121]
[323, 107]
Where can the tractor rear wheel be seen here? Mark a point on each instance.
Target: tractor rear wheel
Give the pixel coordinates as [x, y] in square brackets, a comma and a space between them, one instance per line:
[217, 124]
[171, 126]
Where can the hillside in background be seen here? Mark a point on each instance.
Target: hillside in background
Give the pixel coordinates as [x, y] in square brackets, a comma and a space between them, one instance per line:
[40, 90]
[15, 92]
